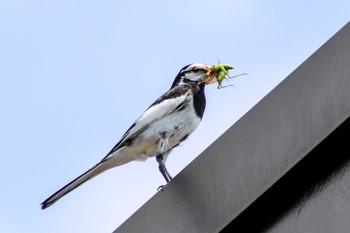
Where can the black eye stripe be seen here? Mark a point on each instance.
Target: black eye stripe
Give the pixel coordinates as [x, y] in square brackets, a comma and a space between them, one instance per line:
[197, 69]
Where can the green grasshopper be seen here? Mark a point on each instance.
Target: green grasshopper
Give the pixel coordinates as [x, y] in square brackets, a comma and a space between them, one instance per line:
[221, 71]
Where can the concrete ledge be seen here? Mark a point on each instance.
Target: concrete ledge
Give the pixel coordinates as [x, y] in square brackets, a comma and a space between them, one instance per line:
[256, 151]
[313, 196]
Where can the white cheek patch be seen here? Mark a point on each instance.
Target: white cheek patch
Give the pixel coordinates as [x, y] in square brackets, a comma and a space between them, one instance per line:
[199, 76]
[196, 77]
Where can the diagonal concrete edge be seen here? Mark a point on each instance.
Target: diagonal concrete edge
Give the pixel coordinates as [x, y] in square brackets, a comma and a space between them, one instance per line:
[257, 150]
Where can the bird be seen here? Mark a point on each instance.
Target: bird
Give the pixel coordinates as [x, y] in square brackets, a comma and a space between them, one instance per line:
[162, 127]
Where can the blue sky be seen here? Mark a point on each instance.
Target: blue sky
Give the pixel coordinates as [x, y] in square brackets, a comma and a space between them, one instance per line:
[76, 74]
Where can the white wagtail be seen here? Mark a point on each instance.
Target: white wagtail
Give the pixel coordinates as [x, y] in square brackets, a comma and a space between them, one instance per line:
[163, 126]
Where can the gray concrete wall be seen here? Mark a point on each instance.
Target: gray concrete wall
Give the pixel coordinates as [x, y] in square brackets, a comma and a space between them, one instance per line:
[327, 211]
[257, 150]
[313, 196]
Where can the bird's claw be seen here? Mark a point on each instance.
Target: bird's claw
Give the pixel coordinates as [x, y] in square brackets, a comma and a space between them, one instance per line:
[160, 188]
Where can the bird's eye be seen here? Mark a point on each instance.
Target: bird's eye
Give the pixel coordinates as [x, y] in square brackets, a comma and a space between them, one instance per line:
[196, 69]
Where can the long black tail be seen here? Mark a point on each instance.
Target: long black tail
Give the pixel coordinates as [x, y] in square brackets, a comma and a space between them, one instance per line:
[91, 173]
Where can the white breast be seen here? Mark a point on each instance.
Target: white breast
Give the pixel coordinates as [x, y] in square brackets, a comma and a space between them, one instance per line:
[175, 126]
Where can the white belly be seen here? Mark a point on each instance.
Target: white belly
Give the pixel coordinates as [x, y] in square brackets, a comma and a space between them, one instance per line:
[175, 127]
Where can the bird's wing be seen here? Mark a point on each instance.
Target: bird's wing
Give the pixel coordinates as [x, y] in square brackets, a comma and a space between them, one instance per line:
[168, 103]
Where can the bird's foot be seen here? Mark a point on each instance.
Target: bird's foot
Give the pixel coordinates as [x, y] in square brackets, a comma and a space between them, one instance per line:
[160, 188]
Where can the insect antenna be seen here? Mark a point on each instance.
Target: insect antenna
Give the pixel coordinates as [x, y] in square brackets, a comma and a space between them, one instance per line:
[237, 75]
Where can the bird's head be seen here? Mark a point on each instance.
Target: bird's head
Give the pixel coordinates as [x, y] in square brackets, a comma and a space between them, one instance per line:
[193, 73]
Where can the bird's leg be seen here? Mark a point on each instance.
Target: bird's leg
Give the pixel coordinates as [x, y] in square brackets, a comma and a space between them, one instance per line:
[163, 141]
[163, 169]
